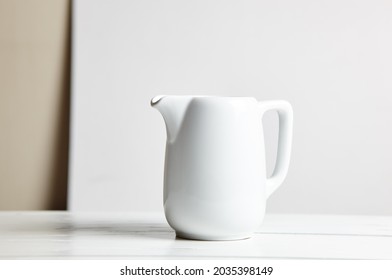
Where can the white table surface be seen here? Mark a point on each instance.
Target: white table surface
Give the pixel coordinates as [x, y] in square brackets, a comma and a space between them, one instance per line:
[65, 235]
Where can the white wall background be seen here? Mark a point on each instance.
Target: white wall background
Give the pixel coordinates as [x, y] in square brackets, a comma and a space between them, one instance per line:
[331, 59]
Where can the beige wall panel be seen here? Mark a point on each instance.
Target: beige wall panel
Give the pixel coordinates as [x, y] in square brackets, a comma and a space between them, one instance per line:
[34, 103]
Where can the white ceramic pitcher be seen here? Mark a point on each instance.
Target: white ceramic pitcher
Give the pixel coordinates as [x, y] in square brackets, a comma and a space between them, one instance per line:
[215, 183]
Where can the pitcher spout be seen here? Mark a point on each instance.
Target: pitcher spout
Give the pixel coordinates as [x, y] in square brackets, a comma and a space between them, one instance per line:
[173, 109]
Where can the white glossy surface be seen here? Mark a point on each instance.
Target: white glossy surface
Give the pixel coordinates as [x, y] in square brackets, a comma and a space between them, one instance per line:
[63, 235]
[215, 185]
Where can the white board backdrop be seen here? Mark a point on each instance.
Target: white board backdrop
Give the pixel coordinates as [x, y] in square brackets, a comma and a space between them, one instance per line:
[331, 59]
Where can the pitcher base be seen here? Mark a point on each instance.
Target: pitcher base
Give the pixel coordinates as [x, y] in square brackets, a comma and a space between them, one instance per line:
[184, 235]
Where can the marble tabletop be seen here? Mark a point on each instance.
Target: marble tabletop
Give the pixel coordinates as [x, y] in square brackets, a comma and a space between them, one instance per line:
[67, 235]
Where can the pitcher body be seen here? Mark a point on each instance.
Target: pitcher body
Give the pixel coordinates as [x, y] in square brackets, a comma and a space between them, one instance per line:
[215, 184]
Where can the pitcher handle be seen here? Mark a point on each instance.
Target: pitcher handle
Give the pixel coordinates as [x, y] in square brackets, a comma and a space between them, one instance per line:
[285, 113]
